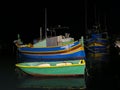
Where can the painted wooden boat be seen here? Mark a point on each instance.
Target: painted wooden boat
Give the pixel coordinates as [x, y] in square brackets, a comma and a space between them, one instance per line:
[74, 50]
[53, 68]
[97, 42]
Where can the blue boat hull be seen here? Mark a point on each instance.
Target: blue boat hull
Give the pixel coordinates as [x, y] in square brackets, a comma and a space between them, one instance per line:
[39, 57]
[97, 44]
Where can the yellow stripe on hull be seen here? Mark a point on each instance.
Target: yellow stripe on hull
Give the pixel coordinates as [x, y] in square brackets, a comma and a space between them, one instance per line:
[96, 44]
[70, 50]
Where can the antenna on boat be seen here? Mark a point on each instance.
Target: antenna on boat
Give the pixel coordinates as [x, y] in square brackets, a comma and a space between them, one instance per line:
[45, 22]
[40, 33]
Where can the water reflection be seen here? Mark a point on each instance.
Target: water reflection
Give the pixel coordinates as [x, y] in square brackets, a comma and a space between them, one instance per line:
[66, 83]
[100, 71]
[97, 62]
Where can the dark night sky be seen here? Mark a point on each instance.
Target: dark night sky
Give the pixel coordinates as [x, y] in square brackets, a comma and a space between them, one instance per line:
[27, 19]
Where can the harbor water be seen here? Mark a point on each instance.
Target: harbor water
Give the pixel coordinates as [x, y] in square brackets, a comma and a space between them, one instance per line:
[102, 72]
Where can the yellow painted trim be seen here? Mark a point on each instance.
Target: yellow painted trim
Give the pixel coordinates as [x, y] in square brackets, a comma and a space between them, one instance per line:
[58, 51]
[67, 52]
[23, 66]
[96, 44]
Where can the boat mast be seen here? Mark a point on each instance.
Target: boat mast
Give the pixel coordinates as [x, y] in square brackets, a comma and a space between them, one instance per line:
[45, 22]
[106, 27]
[97, 23]
[95, 14]
[85, 6]
[105, 23]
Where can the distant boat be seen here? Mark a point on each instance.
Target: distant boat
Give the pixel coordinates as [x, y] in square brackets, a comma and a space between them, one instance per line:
[117, 45]
[53, 68]
[97, 41]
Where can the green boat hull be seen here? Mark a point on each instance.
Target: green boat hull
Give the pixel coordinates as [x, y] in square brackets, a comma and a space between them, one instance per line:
[69, 70]
[66, 70]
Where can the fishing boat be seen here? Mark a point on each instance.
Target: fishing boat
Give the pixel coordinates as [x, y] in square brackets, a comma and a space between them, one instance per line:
[41, 50]
[53, 68]
[97, 41]
[58, 47]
